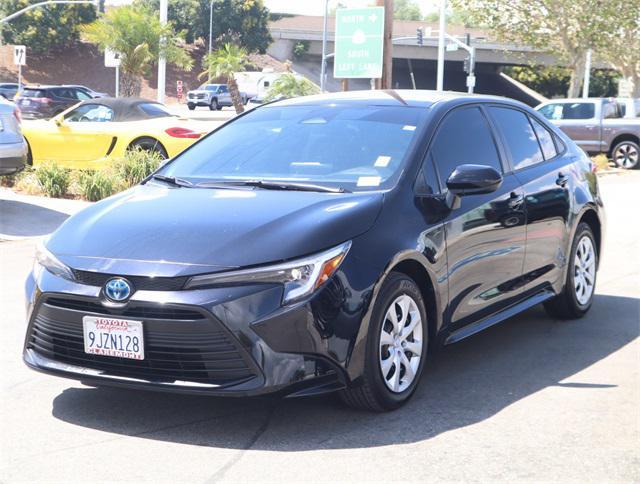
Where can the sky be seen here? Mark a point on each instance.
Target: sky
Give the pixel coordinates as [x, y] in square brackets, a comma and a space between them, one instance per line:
[312, 7]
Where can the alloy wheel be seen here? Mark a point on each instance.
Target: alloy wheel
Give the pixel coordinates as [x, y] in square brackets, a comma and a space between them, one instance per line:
[626, 155]
[401, 344]
[584, 273]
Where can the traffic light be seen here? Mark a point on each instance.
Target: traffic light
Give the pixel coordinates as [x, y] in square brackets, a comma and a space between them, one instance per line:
[420, 36]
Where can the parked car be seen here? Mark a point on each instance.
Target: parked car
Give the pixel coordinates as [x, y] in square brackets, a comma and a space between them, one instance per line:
[215, 96]
[8, 90]
[629, 107]
[87, 135]
[322, 243]
[596, 126]
[36, 102]
[87, 90]
[13, 149]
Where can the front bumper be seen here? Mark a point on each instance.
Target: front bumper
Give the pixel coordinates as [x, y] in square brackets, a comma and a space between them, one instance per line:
[226, 341]
[198, 101]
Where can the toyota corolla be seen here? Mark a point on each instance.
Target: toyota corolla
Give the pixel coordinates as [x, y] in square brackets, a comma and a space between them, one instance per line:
[319, 244]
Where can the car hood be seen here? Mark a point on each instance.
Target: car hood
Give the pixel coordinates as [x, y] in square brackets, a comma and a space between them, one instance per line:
[200, 91]
[162, 231]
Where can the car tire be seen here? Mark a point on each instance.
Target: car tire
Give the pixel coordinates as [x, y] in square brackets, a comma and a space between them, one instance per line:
[626, 155]
[577, 294]
[151, 145]
[191, 106]
[386, 387]
[213, 106]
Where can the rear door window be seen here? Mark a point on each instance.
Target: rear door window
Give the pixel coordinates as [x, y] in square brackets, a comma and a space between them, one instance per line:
[33, 93]
[545, 138]
[464, 137]
[519, 136]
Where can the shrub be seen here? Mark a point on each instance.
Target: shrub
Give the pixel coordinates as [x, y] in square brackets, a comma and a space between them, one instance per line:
[136, 165]
[27, 182]
[94, 185]
[300, 49]
[53, 179]
[601, 161]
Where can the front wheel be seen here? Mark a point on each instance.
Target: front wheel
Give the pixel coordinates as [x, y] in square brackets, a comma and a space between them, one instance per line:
[191, 106]
[577, 295]
[626, 154]
[396, 348]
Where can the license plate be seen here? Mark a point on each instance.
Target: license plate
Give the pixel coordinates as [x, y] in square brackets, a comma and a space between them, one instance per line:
[120, 338]
[26, 102]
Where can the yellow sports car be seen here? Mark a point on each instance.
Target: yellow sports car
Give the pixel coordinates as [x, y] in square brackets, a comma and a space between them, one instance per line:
[94, 131]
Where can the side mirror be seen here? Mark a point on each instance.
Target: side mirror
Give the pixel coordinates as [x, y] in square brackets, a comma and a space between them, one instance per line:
[471, 180]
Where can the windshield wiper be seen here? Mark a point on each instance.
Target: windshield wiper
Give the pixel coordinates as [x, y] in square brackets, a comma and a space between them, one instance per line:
[172, 180]
[276, 185]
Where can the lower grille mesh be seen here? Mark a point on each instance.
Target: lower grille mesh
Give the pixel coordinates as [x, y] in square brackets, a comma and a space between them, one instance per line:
[196, 350]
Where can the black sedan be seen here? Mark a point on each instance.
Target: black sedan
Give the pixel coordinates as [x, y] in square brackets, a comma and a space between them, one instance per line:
[319, 244]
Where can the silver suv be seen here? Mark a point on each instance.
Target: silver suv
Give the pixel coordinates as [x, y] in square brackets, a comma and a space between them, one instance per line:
[13, 147]
[597, 126]
[215, 96]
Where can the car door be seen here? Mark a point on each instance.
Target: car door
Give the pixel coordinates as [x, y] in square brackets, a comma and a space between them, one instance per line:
[538, 159]
[83, 135]
[224, 97]
[485, 236]
[581, 121]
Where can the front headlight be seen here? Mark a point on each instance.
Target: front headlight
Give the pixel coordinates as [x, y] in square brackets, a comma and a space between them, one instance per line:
[299, 278]
[50, 262]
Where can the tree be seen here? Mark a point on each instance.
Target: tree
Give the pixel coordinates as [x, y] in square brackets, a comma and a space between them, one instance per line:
[566, 28]
[289, 85]
[621, 48]
[406, 10]
[136, 33]
[47, 28]
[224, 63]
[245, 22]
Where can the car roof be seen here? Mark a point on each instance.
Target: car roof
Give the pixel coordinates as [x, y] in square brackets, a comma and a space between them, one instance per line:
[393, 97]
[124, 108]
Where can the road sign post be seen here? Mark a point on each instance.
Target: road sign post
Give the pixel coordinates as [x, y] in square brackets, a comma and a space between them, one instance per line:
[19, 59]
[112, 59]
[359, 43]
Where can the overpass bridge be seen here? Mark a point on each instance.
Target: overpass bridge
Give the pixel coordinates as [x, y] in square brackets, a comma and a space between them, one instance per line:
[491, 56]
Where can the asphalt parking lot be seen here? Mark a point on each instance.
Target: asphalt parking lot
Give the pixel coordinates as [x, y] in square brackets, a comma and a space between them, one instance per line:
[533, 399]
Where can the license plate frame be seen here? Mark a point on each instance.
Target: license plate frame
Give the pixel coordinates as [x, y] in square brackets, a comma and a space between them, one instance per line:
[113, 337]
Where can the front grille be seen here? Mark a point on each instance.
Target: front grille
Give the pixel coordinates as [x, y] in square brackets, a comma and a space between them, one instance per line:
[142, 283]
[191, 347]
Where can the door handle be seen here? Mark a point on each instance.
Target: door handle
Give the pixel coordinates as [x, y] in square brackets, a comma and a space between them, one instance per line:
[515, 200]
[562, 179]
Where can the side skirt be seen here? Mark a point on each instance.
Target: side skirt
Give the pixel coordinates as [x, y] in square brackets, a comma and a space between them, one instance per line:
[485, 323]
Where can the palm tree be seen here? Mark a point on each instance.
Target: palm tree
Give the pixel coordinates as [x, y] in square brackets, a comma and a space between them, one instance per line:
[289, 85]
[224, 63]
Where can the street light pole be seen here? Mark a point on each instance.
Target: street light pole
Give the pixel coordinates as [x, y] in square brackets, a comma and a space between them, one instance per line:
[210, 25]
[162, 62]
[39, 4]
[323, 66]
[440, 75]
[587, 75]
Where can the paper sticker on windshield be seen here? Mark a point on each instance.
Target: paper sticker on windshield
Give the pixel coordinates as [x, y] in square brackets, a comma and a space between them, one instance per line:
[382, 161]
[369, 181]
[408, 127]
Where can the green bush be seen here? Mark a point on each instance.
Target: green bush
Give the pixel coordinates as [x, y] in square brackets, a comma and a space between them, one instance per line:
[27, 182]
[136, 166]
[53, 179]
[94, 185]
[300, 49]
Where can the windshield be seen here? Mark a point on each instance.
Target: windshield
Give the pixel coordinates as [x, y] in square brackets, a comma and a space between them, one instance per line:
[352, 147]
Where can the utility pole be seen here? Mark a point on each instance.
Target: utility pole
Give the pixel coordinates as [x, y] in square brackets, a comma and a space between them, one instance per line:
[162, 62]
[441, 32]
[587, 75]
[323, 66]
[387, 46]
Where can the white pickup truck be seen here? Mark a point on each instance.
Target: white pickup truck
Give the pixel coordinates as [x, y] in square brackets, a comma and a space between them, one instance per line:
[213, 96]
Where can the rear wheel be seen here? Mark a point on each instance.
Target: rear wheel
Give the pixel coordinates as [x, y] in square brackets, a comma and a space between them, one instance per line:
[214, 105]
[151, 145]
[577, 295]
[396, 348]
[626, 154]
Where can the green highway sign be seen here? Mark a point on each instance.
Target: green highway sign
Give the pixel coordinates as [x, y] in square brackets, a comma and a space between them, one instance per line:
[358, 43]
